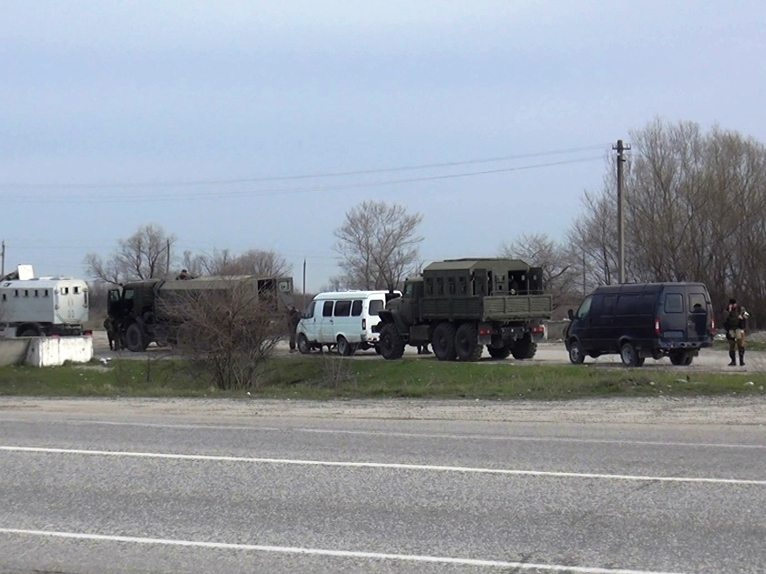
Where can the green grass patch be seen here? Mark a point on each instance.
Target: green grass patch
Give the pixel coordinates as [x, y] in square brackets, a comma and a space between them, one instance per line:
[749, 345]
[331, 377]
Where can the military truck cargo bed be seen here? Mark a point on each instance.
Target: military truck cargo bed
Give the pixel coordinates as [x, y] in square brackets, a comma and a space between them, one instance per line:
[492, 308]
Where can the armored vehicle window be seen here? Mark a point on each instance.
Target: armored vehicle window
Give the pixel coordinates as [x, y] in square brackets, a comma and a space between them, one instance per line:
[310, 311]
[76, 290]
[376, 305]
[342, 308]
[26, 292]
[440, 285]
[65, 290]
[284, 286]
[37, 293]
[129, 294]
[356, 308]
[4, 297]
[327, 309]
[409, 289]
[674, 303]
[462, 285]
[451, 285]
[45, 293]
[15, 292]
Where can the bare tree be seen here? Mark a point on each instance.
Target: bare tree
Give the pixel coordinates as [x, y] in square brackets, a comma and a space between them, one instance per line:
[378, 245]
[222, 262]
[558, 263]
[143, 255]
[229, 332]
[695, 211]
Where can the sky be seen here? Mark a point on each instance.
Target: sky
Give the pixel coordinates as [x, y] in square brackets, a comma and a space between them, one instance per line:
[200, 116]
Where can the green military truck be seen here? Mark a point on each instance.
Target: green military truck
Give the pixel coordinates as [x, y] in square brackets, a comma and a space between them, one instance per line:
[459, 306]
[144, 312]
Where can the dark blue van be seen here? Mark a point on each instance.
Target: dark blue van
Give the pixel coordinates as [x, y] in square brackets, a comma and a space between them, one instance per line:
[637, 321]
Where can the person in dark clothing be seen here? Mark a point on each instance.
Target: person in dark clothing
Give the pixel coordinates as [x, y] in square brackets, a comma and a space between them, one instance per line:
[735, 322]
[423, 349]
[109, 326]
[293, 318]
[184, 274]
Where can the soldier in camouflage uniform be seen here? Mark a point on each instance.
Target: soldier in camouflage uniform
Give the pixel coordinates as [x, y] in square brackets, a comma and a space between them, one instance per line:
[735, 322]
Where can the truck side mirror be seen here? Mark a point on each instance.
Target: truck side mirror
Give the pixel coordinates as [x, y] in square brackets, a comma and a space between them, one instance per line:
[570, 313]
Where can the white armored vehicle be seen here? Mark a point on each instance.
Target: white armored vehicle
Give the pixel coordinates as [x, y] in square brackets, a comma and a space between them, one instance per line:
[36, 306]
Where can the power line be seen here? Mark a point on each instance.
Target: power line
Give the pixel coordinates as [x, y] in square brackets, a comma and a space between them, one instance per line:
[184, 183]
[262, 193]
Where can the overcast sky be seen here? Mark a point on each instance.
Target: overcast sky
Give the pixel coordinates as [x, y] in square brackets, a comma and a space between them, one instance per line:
[168, 94]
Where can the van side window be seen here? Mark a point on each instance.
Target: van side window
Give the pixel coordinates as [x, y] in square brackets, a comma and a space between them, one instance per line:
[309, 314]
[342, 308]
[76, 290]
[356, 308]
[674, 303]
[376, 305]
[65, 290]
[648, 303]
[627, 304]
[584, 308]
[327, 309]
[697, 303]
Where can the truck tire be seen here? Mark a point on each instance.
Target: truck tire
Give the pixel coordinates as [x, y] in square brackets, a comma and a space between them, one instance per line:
[524, 349]
[134, 339]
[444, 342]
[467, 346]
[391, 343]
[499, 352]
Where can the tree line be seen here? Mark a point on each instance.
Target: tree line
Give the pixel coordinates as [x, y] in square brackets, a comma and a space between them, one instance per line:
[695, 211]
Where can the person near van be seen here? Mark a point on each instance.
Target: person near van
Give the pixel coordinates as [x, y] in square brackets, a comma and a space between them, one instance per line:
[110, 334]
[293, 318]
[184, 274]
[423, 349]
[735, 324]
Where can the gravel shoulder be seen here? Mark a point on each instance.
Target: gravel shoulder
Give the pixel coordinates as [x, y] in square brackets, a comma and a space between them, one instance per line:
[648, 411]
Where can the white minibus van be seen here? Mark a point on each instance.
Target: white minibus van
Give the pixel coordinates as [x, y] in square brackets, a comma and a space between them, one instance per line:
[342, 318]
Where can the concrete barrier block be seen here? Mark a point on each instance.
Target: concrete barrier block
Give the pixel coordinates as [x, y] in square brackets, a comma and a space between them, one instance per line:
[13, 351]
[55, 351]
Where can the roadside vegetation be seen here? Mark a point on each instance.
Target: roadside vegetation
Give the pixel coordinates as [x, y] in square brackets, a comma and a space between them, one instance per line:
[334, 377]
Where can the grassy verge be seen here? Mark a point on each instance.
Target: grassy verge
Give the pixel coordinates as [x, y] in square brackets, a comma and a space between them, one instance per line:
[325, 378]
[750, 345]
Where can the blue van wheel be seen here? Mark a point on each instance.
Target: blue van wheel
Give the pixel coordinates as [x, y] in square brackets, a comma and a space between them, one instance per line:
[576, 354]
[629, 355]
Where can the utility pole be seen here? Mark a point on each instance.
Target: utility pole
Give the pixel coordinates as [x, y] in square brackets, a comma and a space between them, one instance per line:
[583, 273]
[167, 263]
[621, 149]
[2, 259]
[303, 295]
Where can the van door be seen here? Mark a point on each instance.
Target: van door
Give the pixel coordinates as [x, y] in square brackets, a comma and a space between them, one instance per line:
[582, 325]
[326, 323]
[699, 319]
[309, 324]
[344, 324]
[673, 314]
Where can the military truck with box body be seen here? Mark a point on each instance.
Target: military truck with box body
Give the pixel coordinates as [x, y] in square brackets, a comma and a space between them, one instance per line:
[459, 306]
[151, 311]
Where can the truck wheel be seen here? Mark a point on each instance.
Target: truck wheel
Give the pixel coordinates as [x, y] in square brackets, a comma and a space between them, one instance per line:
[444, 342]
[499, 353]
[467, 345]
[524, 349]
[303, 344]
[345, 349]
[390, 343]
[134, 339]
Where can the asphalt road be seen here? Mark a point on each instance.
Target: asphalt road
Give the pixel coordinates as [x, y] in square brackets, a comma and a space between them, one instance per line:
[549, 352]
[117, 491]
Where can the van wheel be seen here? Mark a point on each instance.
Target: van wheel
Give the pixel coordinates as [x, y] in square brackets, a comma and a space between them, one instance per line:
[629, 355]
[390, 343]
[576, 354]
[681, 359]
[134, 338]
[467, 346]
[345, 349]
[444, 342]
[303, 344]
[499, 352]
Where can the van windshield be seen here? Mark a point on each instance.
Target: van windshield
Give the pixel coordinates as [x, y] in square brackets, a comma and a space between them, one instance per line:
[376, 305]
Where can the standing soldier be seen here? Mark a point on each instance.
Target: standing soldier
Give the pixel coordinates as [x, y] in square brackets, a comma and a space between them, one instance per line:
[293, 318]
[735, 324]
[111, 333]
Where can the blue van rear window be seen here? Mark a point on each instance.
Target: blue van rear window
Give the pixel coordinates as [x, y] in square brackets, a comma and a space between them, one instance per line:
[674, 303]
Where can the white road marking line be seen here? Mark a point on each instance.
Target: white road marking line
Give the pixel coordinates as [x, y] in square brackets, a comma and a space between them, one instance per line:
[332, 553]
[447, 436]
[381, 465]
